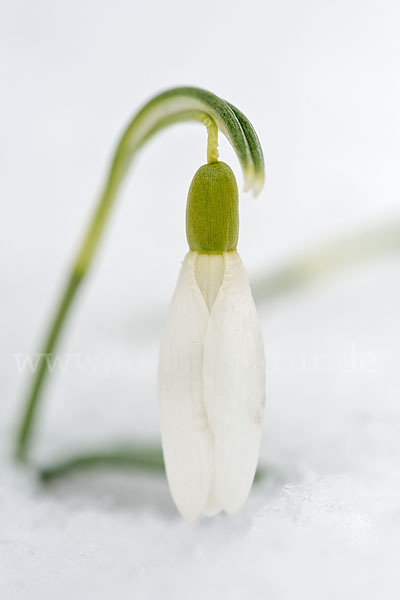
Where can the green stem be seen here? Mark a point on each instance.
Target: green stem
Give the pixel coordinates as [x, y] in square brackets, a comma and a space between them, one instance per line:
[212, 144]
[180, 104]
[25, 427]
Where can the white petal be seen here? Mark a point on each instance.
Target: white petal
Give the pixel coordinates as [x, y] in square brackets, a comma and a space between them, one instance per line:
[186, 437]
[212, 507]
[234, 386]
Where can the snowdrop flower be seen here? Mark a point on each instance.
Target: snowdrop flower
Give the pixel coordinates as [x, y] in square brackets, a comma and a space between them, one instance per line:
[211, 375]
[211, 368]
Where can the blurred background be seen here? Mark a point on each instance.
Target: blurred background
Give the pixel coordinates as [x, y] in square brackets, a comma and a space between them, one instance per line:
[320, 82]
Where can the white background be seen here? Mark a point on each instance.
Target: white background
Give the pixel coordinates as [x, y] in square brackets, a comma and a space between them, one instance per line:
[320, 82]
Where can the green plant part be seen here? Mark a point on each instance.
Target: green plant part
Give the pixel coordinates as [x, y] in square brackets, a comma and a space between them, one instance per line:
[212, 212]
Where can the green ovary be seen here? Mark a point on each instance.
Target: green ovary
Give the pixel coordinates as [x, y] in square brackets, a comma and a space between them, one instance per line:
[212, 216]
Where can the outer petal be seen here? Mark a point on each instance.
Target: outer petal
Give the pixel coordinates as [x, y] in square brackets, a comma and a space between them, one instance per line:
[234, 386]
[186, 437]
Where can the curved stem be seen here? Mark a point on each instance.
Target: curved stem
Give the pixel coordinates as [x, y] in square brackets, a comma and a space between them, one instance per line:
[25, 426]
[180, 104]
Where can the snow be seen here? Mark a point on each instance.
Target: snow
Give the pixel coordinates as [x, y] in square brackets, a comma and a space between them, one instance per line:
[324, 520]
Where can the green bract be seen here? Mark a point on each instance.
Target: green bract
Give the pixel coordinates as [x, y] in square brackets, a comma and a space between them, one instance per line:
[212, 216]
[188, 104]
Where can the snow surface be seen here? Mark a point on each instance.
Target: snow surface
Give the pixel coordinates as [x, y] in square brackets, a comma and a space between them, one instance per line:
[319, 81]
